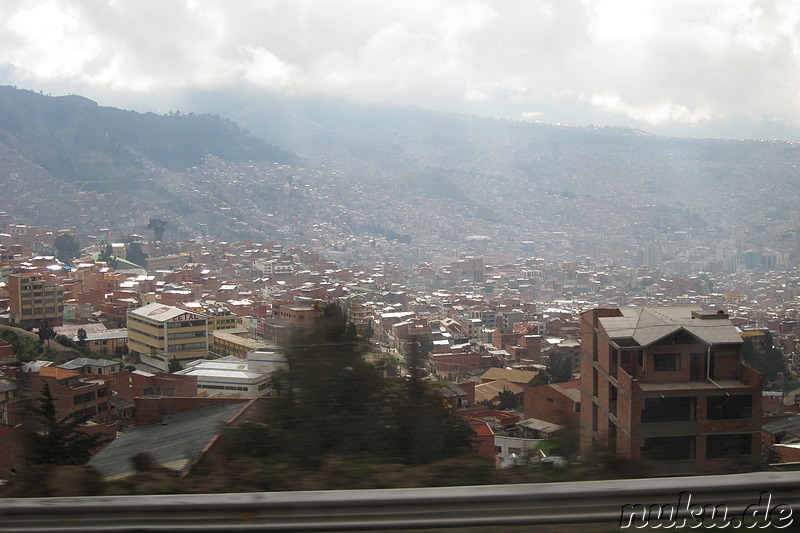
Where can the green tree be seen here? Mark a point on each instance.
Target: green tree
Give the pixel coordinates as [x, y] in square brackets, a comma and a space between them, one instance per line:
[766, 359]
[158, 226]
[82, 343]
[59, 441]
[46, 332]
[331, 401]
[541, 379]
[105, 254]
[26, 348]
[559, 367]
[67, 247]
[369, 331]
[135, 254]
[508, 400]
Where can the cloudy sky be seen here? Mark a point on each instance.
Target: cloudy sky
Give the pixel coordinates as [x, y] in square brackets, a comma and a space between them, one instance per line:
[727, 68]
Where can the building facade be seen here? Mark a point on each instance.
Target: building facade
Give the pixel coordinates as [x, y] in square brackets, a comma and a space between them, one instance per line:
[32, 300]
[667, 385]
[169, 332]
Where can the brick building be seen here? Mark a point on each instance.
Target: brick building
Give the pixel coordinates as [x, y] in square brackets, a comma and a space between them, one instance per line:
[558, 403]
[33, 300]
[169, 332]
[667, 384]
[77, 393]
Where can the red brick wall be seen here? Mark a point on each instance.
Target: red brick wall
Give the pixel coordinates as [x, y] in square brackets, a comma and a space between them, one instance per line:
[484, 438]
[469, 388]
[64, 397]
[548, 404]
[12, 449]
[6, 350]
[185, 386]
[788, 454]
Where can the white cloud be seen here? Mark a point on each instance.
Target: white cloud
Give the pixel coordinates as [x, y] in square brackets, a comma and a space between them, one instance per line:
[652, 61]
[265, 70]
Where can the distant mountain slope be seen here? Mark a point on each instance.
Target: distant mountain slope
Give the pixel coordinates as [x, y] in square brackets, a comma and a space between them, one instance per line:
[77, 141]
[431, 179]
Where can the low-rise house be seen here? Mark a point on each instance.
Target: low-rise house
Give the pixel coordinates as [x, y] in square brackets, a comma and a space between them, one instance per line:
[229, 376]
[88, 365]
[180, 435]
[520, 377]
[491, 391]
[558, 403]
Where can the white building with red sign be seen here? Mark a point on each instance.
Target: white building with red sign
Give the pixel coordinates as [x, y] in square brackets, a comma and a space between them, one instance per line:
[168, 333]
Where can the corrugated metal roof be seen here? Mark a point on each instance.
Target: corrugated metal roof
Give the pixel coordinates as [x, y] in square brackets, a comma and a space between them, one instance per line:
[176, 442]
[789, 425]
[80, 362]
[648, 325]
[215, 373]
[7, 385]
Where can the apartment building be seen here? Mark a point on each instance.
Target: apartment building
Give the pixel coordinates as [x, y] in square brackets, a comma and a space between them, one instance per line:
[667, 385]
[33, 300]
[75, 393]
[163, 331]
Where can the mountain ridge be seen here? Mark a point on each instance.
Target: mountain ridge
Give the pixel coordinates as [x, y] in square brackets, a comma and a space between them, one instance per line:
[426, 177]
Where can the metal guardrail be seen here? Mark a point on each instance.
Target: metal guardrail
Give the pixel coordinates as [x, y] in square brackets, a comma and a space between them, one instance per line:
[451, 507]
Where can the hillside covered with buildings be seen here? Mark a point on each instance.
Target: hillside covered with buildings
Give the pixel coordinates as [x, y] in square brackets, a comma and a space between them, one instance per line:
[510, 297]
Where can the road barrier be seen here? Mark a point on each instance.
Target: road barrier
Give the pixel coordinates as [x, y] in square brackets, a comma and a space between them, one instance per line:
[449, 507]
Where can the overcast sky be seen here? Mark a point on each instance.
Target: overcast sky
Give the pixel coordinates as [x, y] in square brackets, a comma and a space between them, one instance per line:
[727, 68]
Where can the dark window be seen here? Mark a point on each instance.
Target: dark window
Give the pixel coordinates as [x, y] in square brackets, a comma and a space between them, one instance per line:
[668, 409]
[730, 407]
[666, 362]
[669, 448]
[727, 445]
[102, 392]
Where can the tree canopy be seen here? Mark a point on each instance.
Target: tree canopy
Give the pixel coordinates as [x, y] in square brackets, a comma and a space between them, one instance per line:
[135, 254]
[766, 358]
[331, 401]
[26, 348]
[559, 367]
[67, 247]
[60, 441]
[46, 332]
[158, 226]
